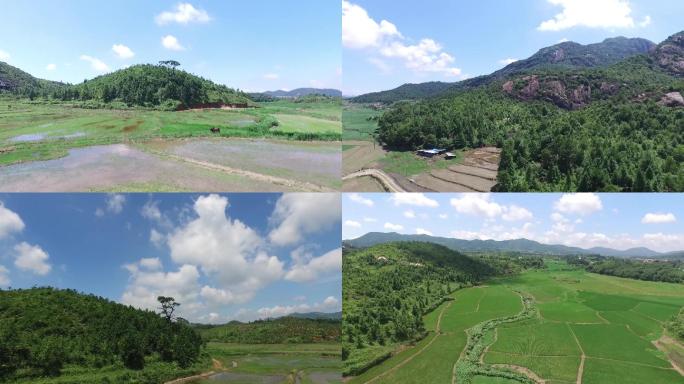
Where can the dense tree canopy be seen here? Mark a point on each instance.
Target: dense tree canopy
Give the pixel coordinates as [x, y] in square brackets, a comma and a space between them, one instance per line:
[651, 270]
[44, 329]
[388, 288]
[274, 331]
[154, 86]
[572, 130]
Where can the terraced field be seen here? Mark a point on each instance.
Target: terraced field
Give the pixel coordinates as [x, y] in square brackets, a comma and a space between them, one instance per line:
[555, 326]
[477, 173]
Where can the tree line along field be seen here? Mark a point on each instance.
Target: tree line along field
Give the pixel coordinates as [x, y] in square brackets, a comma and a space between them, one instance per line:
[31, 131]
[555, 324]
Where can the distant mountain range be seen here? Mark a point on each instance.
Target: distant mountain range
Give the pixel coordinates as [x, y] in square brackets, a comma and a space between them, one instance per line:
[317, 315]
[565, 55]
[299, 92]
[518, 245]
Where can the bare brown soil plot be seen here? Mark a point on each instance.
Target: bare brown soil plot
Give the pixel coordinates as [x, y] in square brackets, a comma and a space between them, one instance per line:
[364, 155]
[477, 173]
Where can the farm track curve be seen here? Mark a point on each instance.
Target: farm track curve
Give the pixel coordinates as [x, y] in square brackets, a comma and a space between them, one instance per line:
[386, 180]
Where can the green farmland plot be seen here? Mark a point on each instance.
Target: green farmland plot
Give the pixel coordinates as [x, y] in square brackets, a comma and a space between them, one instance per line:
[587, 328]
[359, 122]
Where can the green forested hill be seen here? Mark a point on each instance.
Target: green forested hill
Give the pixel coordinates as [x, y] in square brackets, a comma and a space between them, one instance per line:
[618, 128]
[42, 330]
[155, 86]
[388, 288]
[404, 92]
[274, 331]
[14, 80]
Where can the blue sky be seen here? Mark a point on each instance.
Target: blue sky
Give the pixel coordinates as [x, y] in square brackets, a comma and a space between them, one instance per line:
[461, 39]
[224, 257]
[586, 220]
[251, 45]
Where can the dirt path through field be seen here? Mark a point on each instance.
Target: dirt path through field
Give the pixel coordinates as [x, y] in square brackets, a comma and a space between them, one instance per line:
[386, 180]
[438, 332]
[300, 185]
[190, 379]
[673, 350]
[580, 371]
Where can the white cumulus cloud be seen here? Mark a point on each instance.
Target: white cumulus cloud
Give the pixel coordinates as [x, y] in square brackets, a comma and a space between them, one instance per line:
[360, 31]
[224, 249]
[51, 67]
[422, 231]
[96, 64]
[357, 198]
[477, 204]
[170, 42]
[415, 199]
[114, 204]
[394, 227]
[590, 14]
[298, 214]
[4, 55]
[183, 13]
[122, 51]
[10, 222]
[32, 258]
[146, 285]
[579, 203]
[306, 267]
[658, 218]
[352, 224]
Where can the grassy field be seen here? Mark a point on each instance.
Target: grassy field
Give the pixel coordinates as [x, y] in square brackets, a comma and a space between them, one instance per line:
[39, 131]
[358, 123]
[604, 324]
[408, 163]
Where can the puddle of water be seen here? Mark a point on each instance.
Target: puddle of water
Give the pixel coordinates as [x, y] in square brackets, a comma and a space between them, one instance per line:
[31, 137]
[28, 138]
[235, 378]
[72, 136]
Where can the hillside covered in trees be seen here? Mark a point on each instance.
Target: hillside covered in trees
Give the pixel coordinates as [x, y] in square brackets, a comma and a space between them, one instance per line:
[160, 86]
[284, 330]
[569, 128]
[388, 288]
[44, 331]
